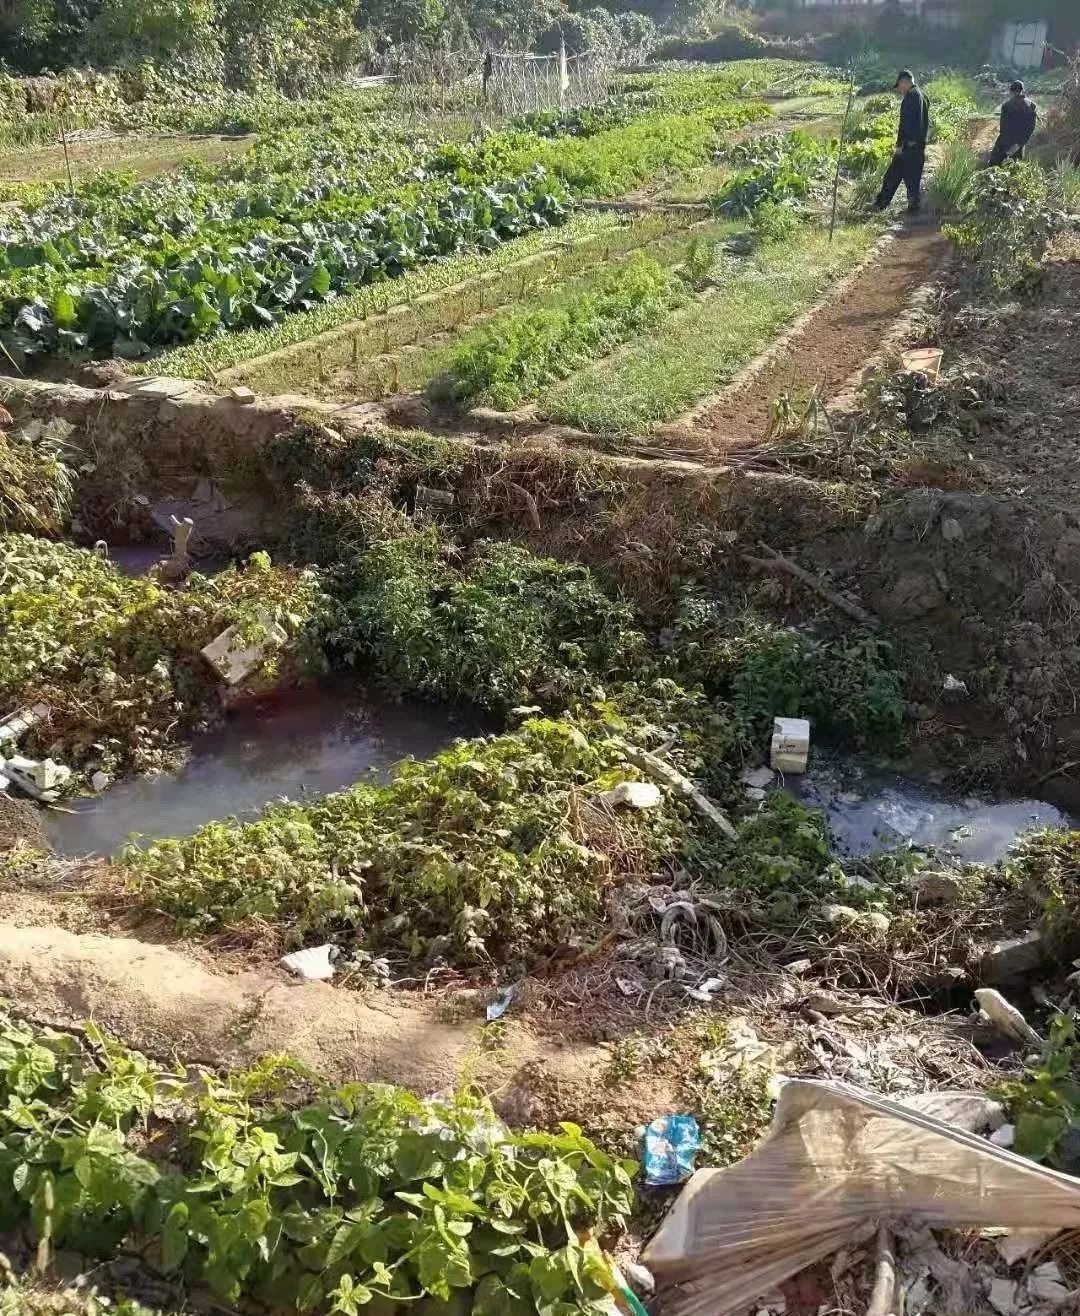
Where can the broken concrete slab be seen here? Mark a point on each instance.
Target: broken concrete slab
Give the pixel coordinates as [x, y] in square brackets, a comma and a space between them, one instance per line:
[233, 658]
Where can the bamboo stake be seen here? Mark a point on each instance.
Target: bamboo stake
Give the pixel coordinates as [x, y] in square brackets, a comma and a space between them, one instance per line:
[840, 152]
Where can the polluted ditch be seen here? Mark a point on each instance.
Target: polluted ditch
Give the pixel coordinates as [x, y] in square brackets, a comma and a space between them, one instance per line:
[311, 743]
[870, 808]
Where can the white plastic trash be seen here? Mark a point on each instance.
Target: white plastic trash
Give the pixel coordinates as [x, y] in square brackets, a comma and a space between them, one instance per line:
[790, 745]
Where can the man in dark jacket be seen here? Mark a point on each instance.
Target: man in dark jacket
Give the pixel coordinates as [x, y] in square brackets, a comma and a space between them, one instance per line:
[909, 157]
[1019, 115]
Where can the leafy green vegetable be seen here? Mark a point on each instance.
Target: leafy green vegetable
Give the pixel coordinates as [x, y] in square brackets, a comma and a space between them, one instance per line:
[361, 1193]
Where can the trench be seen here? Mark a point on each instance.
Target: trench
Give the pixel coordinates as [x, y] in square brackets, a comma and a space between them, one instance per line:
[871, 806]
[299, 744]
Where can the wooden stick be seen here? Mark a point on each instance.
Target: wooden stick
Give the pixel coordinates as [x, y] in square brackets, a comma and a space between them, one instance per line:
[883, 1297]
[672, 778]
[777, 562]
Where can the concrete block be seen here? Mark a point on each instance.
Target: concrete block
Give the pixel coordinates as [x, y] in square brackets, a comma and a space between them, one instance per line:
[790, 745]
[1004, 961]
[233, 660]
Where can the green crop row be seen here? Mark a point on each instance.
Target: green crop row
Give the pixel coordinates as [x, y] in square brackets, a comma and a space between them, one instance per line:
[127, 272]
[360, 1194]
[509, 360]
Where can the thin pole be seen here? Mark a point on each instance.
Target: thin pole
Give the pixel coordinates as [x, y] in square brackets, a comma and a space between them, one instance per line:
[840, 152]
[67, 158]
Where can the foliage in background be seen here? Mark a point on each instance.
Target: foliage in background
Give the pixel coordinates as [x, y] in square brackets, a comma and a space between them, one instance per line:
[117, 657]
[847, 686]
[343, 1197]
[509, 360]
[777, 169]
[1013, 217]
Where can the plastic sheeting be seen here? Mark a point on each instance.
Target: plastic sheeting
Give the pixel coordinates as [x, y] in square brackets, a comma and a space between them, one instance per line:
[835, 1162]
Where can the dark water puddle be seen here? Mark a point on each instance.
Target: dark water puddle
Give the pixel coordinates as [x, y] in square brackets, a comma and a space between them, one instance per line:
[304, 744]
[870, 808]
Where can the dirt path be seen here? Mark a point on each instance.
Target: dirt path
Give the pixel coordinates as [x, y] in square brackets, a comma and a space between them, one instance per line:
[160, 1000]
[832, 344]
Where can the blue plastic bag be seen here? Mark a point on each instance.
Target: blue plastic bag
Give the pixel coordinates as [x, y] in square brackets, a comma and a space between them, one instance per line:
[671, 1143]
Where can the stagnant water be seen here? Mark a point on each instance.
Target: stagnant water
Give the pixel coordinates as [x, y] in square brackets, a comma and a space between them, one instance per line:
[870, 808]
[302, 744]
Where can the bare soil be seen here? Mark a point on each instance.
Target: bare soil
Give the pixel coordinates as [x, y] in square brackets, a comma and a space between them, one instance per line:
[145, 155]
[834, 343]
[169, 1004]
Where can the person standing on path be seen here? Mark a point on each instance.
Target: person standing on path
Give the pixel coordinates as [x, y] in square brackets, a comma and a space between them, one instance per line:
[909, 157]
[1019, 115]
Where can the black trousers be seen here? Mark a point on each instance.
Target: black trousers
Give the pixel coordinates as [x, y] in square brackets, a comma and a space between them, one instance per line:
[906, 168]
[1005, 151]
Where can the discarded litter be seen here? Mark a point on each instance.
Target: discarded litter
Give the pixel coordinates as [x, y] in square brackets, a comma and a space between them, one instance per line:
[790, 747]
[953, 686]
[836, 1158]
[633, 794]
[313, 965]
[1006, 1018]
[706, 991]
[499, 1006]
[670, 1145]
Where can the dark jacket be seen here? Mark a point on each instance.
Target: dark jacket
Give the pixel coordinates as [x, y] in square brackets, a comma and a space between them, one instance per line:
[1018, 119]
[914, 119]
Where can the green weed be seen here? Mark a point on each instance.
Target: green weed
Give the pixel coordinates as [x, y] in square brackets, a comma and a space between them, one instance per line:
[348, 1196]
[699, 350]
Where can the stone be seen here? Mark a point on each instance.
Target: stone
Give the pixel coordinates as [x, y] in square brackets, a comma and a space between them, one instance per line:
[876, 920]
[936, 888]
[1004, 961]
[100, 781]
[1004, 1137]
[759, 778]
[1003, 1296]
[913, 594]
[245, 396]
[313, 965]
[972, 1111]
[48, 775]
[633, 794]
[1045, 1284]
[954, 687]
[951, 530]
[839, 914]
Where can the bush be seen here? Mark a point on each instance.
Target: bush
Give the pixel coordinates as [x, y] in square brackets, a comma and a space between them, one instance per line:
[501, 628]
[846, 686]
[1013, 217]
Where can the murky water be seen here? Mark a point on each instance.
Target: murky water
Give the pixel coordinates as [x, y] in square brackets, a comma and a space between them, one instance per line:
[301, 745]
[870, 808]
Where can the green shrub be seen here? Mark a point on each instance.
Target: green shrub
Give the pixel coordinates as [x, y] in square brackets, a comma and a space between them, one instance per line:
[346, 1197]
[487, 851]
[500, 628]
[778, 168]
[847, 686]
[1013, 217]
[519, 353]
[773, 221]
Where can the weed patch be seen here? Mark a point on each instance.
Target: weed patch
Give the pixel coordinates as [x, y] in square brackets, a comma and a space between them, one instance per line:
[700, 349]
[329, 1202]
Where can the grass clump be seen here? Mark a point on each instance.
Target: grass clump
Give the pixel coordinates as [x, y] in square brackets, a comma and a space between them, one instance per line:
[513, 358]
[272, 1191]
[699, 350]
[950, 185]
[846, 685]
[37, 482]
[497, 625]
[117, 658]
[492, 850]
